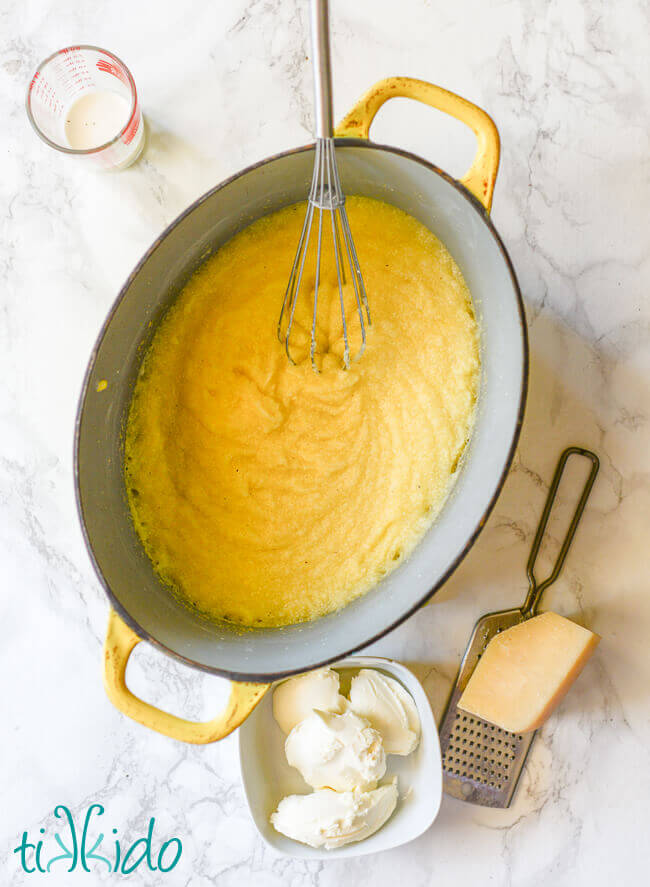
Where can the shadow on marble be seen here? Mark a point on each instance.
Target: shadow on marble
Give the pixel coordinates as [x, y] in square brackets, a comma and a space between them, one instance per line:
[176, 171]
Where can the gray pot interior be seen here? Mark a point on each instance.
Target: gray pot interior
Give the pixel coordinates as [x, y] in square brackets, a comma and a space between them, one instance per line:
[461, 224]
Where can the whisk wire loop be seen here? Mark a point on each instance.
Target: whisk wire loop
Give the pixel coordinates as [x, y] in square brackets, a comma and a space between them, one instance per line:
[326, 195]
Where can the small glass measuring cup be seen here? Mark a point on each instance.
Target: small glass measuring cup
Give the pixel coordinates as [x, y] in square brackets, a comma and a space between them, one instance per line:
[64, 78]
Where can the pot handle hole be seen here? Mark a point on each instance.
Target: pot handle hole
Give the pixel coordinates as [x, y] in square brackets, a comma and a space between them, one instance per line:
[119, 644]
[481, 176]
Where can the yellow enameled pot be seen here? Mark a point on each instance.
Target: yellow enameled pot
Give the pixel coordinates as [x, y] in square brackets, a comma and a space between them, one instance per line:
[142, 607]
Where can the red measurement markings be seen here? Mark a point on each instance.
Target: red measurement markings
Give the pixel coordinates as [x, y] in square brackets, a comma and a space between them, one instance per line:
[45, 94]
[132, 128]
[109, 67]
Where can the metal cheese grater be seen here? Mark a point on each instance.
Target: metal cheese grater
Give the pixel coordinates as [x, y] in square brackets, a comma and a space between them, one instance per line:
[482, 763]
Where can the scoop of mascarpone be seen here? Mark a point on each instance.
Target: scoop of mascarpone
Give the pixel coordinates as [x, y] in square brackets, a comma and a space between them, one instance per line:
[388, 708]
[341, 752]
[296, 699]
[331, 819]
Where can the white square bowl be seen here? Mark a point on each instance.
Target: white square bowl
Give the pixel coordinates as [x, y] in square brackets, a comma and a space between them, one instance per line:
[267, 777]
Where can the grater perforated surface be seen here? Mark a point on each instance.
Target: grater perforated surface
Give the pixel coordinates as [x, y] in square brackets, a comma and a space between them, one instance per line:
[481, 762]
[481, 751]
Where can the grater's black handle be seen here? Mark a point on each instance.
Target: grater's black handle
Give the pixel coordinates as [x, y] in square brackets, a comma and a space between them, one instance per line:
[536, 590]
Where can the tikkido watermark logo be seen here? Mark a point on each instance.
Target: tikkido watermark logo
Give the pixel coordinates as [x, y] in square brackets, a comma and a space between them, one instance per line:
[79, 851]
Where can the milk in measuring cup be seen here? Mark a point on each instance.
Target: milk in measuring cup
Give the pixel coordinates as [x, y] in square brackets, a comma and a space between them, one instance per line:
[95, 118]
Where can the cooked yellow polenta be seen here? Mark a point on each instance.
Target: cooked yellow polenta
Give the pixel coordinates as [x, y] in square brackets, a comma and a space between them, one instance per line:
[268, 494]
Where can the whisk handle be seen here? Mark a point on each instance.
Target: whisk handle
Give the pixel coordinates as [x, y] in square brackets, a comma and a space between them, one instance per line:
[320, 40]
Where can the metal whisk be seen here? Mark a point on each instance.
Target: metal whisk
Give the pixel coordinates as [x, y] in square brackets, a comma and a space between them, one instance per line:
[325, 195]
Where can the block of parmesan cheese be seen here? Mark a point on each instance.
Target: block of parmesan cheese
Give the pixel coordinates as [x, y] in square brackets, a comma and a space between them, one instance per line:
[526, 670]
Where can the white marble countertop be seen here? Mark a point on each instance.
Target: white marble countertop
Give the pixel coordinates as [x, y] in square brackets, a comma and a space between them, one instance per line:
[223, 85]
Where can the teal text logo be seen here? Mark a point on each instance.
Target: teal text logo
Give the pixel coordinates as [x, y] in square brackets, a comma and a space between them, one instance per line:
[76, 849]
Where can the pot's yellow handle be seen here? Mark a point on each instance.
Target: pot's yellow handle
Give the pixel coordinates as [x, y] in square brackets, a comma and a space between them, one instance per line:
[120, 641]
[481, 176]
